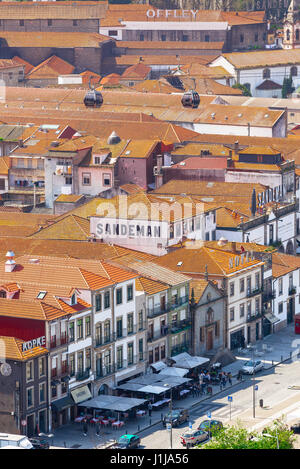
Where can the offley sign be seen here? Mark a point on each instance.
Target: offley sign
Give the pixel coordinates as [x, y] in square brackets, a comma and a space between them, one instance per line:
[39, 342]
[176, 14]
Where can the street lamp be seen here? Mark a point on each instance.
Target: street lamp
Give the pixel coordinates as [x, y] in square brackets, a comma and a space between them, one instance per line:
[171, 417]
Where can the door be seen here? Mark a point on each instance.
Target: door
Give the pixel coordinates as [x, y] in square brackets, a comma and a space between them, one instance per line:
[209, 342]
[249, 334]
[30, 425]
[42, 421]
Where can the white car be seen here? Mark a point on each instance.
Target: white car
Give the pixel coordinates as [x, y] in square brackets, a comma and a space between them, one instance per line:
[251, 367]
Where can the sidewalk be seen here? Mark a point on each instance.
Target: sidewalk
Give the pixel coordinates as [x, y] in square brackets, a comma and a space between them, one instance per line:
[283, 343]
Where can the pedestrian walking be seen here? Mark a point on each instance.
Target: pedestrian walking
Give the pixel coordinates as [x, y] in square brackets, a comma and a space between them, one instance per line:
[229, 376]
[150, 409]
[98, 428]
[85, 427]
[223, 379]
[240, 375]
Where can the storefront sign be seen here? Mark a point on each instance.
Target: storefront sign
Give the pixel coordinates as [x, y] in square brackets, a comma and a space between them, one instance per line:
[81, 394]
[39, 342]
[176, 14]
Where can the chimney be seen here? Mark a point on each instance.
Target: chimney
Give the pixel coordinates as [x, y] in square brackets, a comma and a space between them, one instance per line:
[10, 263]
[229, 163]
[206, 273]
[236, 146]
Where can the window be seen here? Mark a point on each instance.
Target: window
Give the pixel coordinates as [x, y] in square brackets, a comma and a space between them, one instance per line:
[185, 37]
[73, 299]
[150, 357]
[129, 292]
[297, 35]
[257, 281]
[98, 299]
[162, 352]
[119, 296]
[2, 184]
[113, 33]
[231, 288]
[140, 320]
[97, 160]
[294, 71]
[88, 326]
[53, 390]
[130, 323]
[280, 307]
[29, 371]
[288, 34]
[106, 180]
[79, 329]
[68, 180]
[280, 287]
[119, 357]
[249, 308]
[2, 294]
[119, 327]
[49, 22]
[86, 179]
[141, 350]
[88, 362]
[266, 73]
[257, 306]
[241, 37]
[163, 37]
[201, 334]
[231, 312]
[42, 390]
[21, 22]
[72, 364]
[142, 37]
[106, 300]
[248, 285]
[242, 285]
[156, 354]
[256, 37]
[242, 310]
[41, 295]
[29, 397]
[80, 362]
[75, 23]
[42, 367]
[217, 329]
[206, 38]
[71, 332]
[130, 353]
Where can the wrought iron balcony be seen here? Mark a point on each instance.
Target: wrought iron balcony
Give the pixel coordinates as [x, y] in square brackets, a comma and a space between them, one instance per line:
[83, 374]
[255, 291]
[292, 290]
[179, 326]
[254, 316]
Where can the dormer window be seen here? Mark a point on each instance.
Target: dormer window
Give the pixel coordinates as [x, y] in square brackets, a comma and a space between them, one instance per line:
[2, 294]
[73, 299]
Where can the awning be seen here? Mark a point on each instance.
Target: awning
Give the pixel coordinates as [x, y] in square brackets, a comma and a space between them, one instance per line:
[81, 394]
[119, 404]
[158, 366]
[272, 318]
[185, 360]
[173, 371]
[62, 403]
[154, 389]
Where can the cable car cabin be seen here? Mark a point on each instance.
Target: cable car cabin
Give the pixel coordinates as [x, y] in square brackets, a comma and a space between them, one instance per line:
[297, 323]
[190, 99]
[93, 99]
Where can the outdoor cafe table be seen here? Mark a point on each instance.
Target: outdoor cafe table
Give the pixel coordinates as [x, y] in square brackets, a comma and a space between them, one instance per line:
[79, 419]
[117, 424]
[184, 392]
[104, 422]
[161, 403]
[140, 413]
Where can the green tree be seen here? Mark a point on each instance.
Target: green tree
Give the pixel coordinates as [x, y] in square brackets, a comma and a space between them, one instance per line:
[238, 437]
[245, 90]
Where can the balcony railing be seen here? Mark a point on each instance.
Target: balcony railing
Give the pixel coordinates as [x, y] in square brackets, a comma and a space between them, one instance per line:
[151, 337]
[83, 374]
[56, 341]
[105, 371]
[268, 296]
[107, 339]
[255, 291]
[179, 348]
[180, 302]
[292, 290]
[254, 316]
[157, 311]
[180, 326]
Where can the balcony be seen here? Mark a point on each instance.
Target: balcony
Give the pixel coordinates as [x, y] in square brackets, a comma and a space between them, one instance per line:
[255, 291]
[268, 296]
[179, 349]
[105, 371]
[59, 341]
[82, 374]
[254, 316]
[180, 326]
[156, 311]
[180, 302]
[292, 290]
[107, 339]
[156, 335]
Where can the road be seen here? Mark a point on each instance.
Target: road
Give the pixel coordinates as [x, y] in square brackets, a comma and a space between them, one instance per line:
[275, 387]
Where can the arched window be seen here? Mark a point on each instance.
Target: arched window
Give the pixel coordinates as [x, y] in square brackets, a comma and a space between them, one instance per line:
[288, 34]
[297, 35]
[209, 315]
[294, 71]
[266, 73]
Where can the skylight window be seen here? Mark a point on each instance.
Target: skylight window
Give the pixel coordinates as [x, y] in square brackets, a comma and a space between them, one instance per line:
[41, 295]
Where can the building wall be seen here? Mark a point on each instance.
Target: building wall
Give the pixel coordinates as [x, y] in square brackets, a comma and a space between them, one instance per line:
[241, 37]
[63, 25]
[210, 174]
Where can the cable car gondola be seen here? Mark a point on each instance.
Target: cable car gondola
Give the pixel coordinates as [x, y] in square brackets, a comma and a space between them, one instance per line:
[93, 98]
[190, 99]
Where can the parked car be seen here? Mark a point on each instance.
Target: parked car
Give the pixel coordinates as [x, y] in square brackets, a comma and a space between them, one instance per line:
[251, 367]
[176, 417]
[295, 428]
[193, 437]
[209, 425]
[127, 442]
[39, 443]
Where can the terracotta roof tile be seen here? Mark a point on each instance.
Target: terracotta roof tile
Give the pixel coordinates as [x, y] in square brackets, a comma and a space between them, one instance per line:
[150, 286]
[13, 349]
[51, 67]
